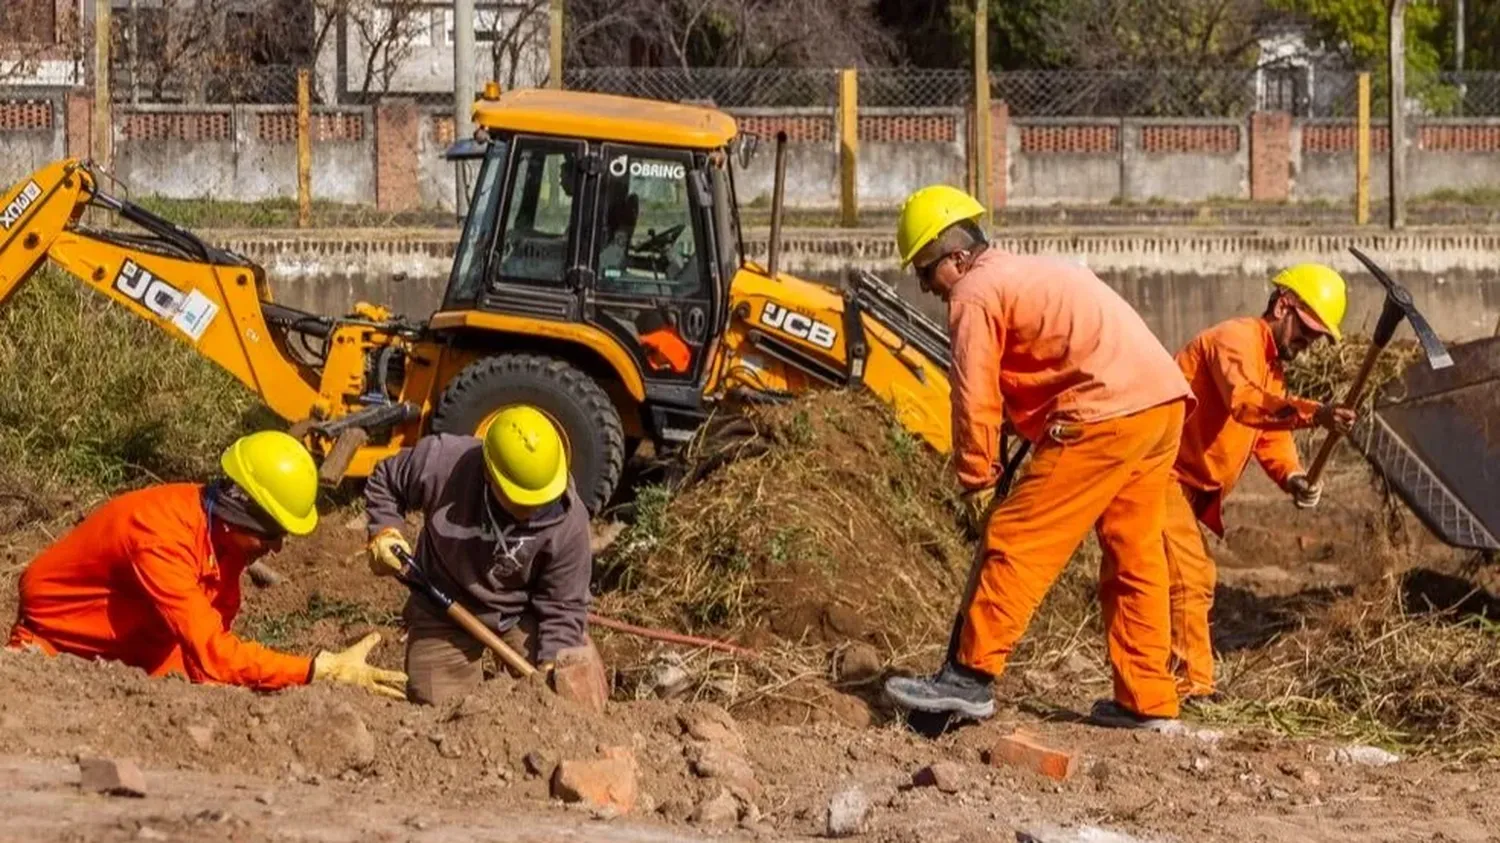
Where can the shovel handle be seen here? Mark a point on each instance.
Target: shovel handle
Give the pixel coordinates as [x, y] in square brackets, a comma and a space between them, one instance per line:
[412, 578]
[1351, 398]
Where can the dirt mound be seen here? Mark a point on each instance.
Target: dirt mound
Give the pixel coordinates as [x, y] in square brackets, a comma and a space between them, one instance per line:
[819, 532]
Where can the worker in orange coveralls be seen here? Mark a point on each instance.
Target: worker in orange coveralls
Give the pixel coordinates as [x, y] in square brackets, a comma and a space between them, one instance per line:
[1235, 369]
[152, 577]
[1048, 346]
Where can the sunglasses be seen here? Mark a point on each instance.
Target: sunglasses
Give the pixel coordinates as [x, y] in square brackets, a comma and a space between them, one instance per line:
[925, 273]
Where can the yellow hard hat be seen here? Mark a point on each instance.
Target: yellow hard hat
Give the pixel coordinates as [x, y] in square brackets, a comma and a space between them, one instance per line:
[279, 475]
[928, 213]
[525, 458]
[1322, 289]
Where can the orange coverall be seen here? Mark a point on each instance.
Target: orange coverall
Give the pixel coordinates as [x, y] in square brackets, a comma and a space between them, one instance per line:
[1243, 411]
[1072, 365]
[137, 582]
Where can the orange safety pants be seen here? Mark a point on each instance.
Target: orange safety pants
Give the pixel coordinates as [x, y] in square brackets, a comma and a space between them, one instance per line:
[1110, 475]
[1192, 576]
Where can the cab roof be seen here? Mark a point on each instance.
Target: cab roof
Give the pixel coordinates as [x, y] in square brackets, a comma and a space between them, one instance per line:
[605, 117]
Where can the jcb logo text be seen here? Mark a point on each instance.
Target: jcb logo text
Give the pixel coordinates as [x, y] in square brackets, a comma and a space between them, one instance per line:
[799, 326]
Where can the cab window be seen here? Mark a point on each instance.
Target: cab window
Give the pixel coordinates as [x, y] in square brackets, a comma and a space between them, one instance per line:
[648, 236]
[538, 213]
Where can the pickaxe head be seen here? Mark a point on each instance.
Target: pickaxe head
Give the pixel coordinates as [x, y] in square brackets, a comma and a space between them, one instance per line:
[1399, 306]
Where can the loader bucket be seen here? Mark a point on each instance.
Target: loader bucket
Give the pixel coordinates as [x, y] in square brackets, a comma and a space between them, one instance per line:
[1436, 438]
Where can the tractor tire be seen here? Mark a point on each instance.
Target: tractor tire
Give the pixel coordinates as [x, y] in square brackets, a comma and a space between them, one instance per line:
[590, 424]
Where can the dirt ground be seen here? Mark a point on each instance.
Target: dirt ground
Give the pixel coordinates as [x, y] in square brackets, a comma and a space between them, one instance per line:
[329, 763]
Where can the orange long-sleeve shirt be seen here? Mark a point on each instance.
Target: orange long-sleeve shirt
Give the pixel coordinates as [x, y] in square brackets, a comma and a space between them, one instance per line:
[1039, 340]
[1243, 411]
[138, 582]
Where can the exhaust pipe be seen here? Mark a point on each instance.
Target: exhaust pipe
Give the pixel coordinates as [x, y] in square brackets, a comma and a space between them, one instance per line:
[778, 197]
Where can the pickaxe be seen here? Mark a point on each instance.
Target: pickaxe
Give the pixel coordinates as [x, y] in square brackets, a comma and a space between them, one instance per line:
[1398, 307]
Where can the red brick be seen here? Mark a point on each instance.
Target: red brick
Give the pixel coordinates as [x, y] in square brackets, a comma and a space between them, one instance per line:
[1270, 156]
[396, 127]
[1213, 140]
[1070, 139]
[607, 782]
[80, 114]
[114, 776]
[999, 152]
[1023, 750]
[578, 675]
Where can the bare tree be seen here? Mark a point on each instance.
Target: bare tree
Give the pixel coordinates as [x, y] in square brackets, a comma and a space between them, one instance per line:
[386, 31]
[31, 31]
[515, 32]
[727, 33]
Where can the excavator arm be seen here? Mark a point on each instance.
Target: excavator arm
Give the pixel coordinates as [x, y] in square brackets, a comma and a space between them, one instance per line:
[787, 335]
[307, 369]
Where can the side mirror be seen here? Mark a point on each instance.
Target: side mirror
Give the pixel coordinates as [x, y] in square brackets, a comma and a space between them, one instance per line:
[745, 147]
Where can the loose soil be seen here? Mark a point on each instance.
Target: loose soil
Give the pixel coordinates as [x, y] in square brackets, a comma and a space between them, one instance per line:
[835, 545]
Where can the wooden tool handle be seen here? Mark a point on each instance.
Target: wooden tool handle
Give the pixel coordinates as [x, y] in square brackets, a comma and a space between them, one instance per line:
[1351, 398]
[464, 618]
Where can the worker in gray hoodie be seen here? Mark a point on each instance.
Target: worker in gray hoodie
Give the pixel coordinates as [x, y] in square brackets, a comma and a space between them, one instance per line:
[505, 535]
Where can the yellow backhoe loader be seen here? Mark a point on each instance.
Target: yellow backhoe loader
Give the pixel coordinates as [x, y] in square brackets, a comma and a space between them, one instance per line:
[600, 276]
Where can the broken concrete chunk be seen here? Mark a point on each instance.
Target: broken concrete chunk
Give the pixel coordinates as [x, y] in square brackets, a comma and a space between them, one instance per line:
[112, 776]
[722, 809]
[1368, 756]
[847, 811]
[946, 776]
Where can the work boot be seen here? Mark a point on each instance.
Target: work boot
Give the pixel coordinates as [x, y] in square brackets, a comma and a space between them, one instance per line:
[954, 690]
[1112, 715]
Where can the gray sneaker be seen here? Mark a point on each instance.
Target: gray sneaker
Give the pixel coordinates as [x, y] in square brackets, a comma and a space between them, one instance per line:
[1112, 715]
[954, 690]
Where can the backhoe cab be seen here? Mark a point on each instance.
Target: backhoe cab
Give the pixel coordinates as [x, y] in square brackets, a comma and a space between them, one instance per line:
[599, 277]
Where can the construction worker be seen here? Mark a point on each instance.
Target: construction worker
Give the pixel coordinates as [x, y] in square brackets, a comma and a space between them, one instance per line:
[505, 535]
[1048, 347]
[152, 578]
[1235, 370]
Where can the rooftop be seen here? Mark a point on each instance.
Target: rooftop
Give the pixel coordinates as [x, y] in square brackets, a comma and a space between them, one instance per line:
[605, 117]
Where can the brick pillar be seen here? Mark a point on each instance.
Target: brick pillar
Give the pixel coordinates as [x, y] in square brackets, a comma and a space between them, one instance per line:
[79, 124]
[1270, 156]
[999, 151]
[396, 126]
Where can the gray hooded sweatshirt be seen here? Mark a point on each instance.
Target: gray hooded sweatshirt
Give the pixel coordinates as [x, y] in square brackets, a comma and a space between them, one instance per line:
[476, 552]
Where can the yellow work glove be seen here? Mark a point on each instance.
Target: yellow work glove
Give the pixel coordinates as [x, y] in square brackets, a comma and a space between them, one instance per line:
[382, 552]
[977, 503]
[350, 667]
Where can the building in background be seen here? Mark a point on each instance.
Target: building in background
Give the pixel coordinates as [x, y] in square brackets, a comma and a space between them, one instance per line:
[405, 48]
[40, 44]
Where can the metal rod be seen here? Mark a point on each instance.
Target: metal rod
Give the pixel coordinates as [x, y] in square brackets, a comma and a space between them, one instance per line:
[778, 198]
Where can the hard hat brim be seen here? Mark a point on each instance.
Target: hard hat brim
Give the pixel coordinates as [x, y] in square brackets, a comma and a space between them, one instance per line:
[522, 496]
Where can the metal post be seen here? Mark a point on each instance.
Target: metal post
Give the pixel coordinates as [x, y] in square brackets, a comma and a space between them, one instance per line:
[463, 68]
[135, 51]
[304, 148]
[103, 142]
[778, 199]
[849, 147]
[1362, 155]
[555, 46]
[1458, 36]
[982, 105]
[1396, 53]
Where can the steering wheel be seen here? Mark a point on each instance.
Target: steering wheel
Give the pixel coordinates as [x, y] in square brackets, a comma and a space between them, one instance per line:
[661, 241]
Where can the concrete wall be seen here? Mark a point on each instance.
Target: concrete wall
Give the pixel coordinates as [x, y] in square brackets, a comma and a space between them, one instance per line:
[1073, 160]
[33, 133]
[189, 154]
